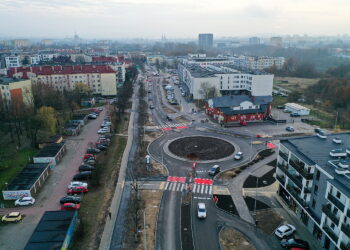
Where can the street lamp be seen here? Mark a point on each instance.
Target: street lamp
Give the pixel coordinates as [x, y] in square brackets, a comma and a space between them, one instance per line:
[144, 226]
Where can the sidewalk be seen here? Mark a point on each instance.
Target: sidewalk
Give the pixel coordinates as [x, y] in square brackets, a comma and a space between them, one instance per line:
[236, 188]
[114, 208]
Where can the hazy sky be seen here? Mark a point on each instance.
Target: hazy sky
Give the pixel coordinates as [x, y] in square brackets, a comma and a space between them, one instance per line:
[175, 19]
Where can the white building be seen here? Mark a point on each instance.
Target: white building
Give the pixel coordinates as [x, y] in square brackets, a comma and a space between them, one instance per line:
[12, 61]
[225, 79]
[47, 57]
[34, 59]
[297, 109]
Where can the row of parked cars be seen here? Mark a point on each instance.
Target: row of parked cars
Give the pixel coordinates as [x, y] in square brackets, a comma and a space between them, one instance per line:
[286, 233]
[79, 183]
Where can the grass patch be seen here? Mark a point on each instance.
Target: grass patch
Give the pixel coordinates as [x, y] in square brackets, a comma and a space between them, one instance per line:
[279, 100]
[295, 83]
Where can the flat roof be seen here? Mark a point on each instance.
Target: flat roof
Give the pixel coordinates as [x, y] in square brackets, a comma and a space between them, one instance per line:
[8, 80]
[50, 150]
[51, 231]
[78, 117]
[314, 150]
[295, 106]
[27, 177]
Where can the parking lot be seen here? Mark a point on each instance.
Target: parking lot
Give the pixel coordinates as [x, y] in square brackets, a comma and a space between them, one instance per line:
[15, 236]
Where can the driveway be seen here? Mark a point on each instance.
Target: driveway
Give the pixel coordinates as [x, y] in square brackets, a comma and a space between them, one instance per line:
[15, 236]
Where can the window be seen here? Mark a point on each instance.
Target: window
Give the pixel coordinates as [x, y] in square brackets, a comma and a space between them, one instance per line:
[338, 194]
[335, 210]
[318, 175]
[316, 189]
[332, 225]
[313, 204]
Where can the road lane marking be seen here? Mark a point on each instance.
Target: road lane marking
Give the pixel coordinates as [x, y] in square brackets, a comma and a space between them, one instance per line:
[202, 189]
[194, 188]
[210, 189]
[206, 189]
[179, 187]
[174, 187]
[166, 186]
[170, 186]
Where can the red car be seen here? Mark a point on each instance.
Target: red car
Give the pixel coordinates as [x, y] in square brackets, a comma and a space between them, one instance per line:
[77, 190]
[70, 206]
[88, 156]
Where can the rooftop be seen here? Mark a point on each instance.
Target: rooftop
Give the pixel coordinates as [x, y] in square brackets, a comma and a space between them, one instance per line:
[27, 177]
[8, 80]
[314, 150]
[51, 231]
[50, 150]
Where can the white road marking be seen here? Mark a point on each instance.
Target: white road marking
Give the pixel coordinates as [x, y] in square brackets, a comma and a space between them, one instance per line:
[202, 189]
[182, 186]
[174, 187]
[170, 186]
[210, 189]
[194, 188]
[206, 189]
[166, 186]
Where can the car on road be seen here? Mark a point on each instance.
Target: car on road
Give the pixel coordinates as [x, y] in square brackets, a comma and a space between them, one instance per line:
[70, 206]
[93, 151]
[77, 184]
[201, 211]
[70, 199]
[100, 109]
[238, 156]
[86, 168]
[290, 129]
[77, 190]
[12, 217]
[151, 106]
[285, 231]
[168, 118]
[289, 243]
[83, 176]
[294, 115]
[25, 201]
[92, 116]
[214, 170]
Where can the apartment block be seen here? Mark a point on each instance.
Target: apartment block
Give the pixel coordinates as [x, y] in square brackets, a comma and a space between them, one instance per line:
[314, 180]
[100, 78]
[15, 91]
[12, 61]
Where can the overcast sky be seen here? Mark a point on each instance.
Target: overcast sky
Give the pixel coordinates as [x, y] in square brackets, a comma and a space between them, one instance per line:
[174, 19]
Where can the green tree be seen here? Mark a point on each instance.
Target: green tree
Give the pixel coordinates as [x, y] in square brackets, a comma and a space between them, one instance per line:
[48, 117]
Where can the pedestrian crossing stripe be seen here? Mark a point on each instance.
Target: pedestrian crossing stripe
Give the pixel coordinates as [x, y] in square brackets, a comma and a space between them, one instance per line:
[197, 188]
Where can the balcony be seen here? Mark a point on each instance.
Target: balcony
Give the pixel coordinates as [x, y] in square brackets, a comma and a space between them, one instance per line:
[300, 168]
[281, 179]
[336, 202]
[346, 229]
[295, 193]
[344, 246]
[331, 233]
[348, 213]
[307, 190]
[327, 210]
[283, 155]
[294, 178]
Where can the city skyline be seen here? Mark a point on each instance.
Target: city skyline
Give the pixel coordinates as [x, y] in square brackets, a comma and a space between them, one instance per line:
[151, 18]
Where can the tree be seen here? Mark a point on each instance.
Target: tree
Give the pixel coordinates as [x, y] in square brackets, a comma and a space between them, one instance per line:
[48, 117]
[26, 60]
[207, 90]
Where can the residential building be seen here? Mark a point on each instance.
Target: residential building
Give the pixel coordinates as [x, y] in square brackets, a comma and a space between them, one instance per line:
[34, 59]
[100, 78]
[12, 61]
[116, 63]
[153, 59]
[205, 41]
[15, 91]
[314, 176]
[276, 41]
[47, 42]
[47, 57]
[19, 43]
[258, 62]
[225, 79]
[254, 40]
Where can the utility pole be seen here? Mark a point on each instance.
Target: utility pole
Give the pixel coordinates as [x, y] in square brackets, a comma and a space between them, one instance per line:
[336, 120]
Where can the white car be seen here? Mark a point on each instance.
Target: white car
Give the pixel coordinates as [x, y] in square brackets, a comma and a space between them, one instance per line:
[285, 230]
[25, 201]
[77, 184]
[238, 156]
[201, 211]
[102, 131]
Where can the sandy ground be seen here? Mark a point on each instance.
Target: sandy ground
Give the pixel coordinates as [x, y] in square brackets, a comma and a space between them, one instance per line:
[269, 220]
[233, 240]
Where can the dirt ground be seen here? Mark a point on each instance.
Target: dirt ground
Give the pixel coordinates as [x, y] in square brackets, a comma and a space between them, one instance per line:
[295, 83]
[168, 110]
[152, 199]
[181, 119]
[269, 220]
[233, 240]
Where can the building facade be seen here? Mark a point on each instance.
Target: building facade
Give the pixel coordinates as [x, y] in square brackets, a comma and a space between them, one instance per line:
[16, 91]
[205, 41]
[314, 176]
[101, 79]
[12, 61]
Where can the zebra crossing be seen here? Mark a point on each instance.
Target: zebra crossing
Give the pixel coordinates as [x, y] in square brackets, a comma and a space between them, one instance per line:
[199, 186]
[172, 125]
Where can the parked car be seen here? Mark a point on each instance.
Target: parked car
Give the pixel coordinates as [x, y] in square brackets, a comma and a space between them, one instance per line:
[88, 156]
[294, 115]
[25, 201]
[86, 168]
[100, 109]
[101, 146]
[285, 231]
[289, 243]
[92, 116]
[74, 184]
[168, 118]
[287, 111]
[85, 175]
[77, 190]
[290, 129]
[70, 199]
[102, 131]
[317, 130]
[93, 151]
[214, 170]
[70, 206]
[90, 161]
[151, 106]
[12, 217]
[201, 211]
[280, 106]
[238, 156]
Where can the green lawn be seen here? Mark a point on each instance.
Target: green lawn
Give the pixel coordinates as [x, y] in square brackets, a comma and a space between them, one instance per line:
[10, 167]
